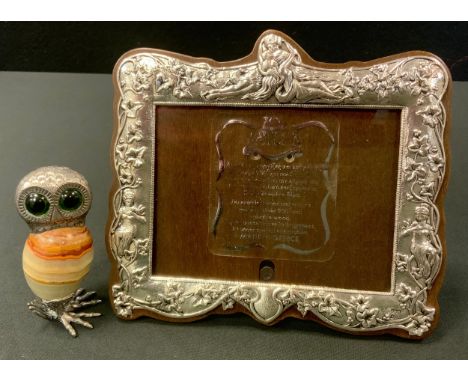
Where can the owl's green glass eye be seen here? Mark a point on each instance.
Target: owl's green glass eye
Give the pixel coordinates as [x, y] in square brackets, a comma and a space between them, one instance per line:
[37, 204]
[70, 199]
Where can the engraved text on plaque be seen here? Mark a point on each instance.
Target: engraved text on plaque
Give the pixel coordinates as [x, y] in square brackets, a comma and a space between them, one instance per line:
[274, 189]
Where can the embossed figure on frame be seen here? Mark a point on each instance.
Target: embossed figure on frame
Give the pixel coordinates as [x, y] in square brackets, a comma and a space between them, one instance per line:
[423, 243]
[275, 188]
[278, 73]
[126, 228]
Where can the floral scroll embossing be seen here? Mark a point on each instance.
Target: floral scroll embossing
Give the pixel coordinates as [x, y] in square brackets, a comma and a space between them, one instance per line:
[279, 76]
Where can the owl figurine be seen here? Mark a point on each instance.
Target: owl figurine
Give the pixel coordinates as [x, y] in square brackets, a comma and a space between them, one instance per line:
[58, 252]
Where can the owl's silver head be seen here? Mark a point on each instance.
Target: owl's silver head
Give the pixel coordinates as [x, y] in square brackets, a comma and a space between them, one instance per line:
[53, 197]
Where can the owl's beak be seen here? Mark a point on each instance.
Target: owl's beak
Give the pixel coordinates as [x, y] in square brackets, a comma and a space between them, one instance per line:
[56, 216]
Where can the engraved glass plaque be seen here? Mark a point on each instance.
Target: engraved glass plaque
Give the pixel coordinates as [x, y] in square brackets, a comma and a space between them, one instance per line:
[273, 188]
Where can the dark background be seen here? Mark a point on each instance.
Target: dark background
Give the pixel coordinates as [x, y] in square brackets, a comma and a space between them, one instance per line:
[94, 47]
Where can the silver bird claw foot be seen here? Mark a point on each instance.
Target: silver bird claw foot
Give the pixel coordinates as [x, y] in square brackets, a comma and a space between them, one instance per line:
[65, 310]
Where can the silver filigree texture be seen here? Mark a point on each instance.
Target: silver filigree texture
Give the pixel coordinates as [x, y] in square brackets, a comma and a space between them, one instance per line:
[416, 84]
[50, 181]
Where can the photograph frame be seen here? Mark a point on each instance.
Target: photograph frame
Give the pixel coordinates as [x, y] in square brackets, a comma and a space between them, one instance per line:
[418, 83]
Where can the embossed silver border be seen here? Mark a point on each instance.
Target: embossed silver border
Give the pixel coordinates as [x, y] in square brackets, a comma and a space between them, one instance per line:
[415, 84]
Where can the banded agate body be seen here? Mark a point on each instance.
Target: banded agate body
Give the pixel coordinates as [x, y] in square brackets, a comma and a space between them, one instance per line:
[55, 261]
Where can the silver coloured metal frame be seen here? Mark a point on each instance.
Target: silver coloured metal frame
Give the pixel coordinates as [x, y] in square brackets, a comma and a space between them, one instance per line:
[415, 84]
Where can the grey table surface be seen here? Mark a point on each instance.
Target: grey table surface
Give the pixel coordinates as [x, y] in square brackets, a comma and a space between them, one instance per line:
[66, 119]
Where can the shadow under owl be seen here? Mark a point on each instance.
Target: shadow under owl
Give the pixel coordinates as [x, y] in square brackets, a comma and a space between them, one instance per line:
[58, 252]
